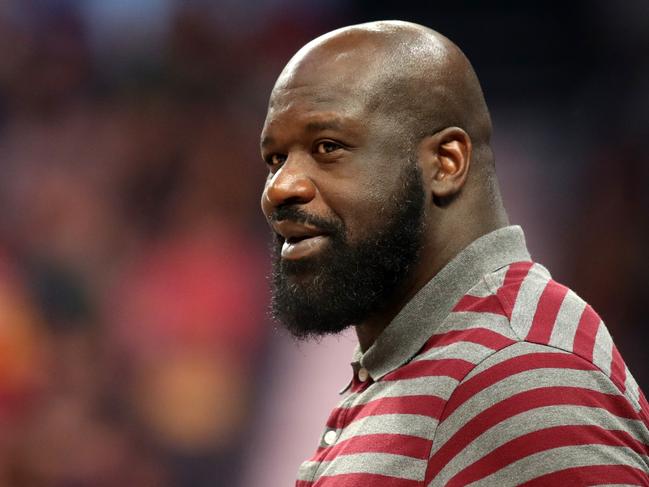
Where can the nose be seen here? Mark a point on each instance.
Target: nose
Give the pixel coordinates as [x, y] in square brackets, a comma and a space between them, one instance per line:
[289, 185]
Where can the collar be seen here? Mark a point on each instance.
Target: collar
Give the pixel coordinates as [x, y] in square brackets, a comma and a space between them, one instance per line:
[417, 320]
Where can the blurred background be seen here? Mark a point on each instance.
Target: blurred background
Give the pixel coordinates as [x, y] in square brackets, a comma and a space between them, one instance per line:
[134, 344]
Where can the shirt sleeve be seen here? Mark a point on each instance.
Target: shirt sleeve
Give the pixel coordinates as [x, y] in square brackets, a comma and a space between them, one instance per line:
[533, 415]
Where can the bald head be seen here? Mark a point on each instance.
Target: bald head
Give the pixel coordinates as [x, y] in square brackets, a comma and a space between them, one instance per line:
[377, 133]
[405, 70]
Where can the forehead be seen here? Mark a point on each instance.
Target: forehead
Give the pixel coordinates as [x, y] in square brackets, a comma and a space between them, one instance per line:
[325, 78]
[316, 96]
[314, 107]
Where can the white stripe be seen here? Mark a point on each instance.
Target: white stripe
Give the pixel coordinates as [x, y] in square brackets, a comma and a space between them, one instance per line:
[388, 464]
[527, 302]
[465, 320]
[540, 271]
[603, 351]
[565, 326]
[471, 352]
[307, 471]
[393, 424]
[438, 386]
[632, 390]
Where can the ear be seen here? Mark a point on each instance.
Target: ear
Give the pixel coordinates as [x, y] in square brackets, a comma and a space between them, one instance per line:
[445, 157]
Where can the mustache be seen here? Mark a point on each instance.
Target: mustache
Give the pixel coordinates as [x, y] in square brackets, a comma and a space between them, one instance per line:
[297, 215]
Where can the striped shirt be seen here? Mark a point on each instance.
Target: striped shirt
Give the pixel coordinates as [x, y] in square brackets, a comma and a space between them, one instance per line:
[495, 375]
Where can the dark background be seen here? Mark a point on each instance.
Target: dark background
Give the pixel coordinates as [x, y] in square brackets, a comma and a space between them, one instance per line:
[134, 347]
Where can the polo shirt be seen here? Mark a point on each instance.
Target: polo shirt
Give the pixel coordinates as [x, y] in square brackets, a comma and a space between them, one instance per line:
[493, 374]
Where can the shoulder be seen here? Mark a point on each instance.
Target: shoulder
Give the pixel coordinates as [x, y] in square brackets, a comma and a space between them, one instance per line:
[537, 309]
[549, 398]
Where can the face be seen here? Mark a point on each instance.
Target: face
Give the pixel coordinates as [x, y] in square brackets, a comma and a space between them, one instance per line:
[345, 204]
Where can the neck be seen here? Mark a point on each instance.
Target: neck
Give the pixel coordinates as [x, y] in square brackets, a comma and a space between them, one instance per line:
[436, 253]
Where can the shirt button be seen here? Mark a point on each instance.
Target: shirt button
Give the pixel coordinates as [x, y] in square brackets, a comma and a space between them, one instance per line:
[330, 437]
[363, 375]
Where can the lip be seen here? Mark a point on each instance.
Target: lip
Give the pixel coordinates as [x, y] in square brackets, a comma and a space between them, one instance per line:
[300, 240]
[303, 248]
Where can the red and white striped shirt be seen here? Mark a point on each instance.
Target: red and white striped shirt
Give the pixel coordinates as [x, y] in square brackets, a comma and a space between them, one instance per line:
[495, 375]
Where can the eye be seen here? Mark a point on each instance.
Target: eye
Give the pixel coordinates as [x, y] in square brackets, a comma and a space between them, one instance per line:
[275, 160]
[326, 147]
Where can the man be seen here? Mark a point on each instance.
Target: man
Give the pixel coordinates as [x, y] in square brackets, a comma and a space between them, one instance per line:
[473, 365]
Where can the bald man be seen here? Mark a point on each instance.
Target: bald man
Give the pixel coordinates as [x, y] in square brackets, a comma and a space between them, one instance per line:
[473, 365]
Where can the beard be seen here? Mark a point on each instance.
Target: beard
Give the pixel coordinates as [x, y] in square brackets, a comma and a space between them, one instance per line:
[346, 283]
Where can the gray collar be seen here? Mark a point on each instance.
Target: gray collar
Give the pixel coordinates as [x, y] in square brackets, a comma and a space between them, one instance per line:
[418, 319]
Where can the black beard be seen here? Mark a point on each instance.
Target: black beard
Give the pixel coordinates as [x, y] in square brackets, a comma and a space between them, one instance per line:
[345, 284]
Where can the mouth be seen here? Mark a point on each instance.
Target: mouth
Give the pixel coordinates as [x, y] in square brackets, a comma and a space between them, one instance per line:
[301, 247]
[296, 239]
[299, 240]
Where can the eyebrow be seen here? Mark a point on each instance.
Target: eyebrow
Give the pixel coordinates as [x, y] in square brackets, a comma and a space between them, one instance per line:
[327, 125]
[310, 127]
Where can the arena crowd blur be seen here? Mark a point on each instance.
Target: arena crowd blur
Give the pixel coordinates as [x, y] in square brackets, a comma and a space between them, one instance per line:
[134, 344]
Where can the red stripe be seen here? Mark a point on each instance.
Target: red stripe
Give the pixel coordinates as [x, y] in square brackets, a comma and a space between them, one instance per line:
[591, 475]
[449, 367]
[519, 403]
[303, 483]
[357, 385]
[514, 278]
[423, 405]
[618, 369]
[546, 312]
[512, 366]
[481, 336]
[478, 304]
[584, 342]
[543, 440]
[405, 445]
[365, 479]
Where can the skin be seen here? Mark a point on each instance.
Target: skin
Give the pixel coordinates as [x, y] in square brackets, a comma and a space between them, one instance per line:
[351, 108]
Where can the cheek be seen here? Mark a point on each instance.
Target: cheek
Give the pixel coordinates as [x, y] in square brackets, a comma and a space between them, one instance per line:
[362, 212]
